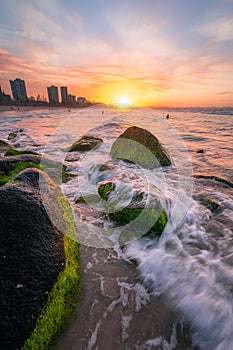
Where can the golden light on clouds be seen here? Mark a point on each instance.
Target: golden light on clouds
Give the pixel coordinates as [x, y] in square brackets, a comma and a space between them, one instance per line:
[144, 51]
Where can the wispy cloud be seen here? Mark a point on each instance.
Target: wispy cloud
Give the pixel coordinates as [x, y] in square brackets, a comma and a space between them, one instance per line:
[225, 93]
[149, 47]
[220, 29]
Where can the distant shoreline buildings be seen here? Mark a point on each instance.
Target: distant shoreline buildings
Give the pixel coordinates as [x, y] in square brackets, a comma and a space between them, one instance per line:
[20, 97]
[53, 95]
[18, 89]
[4, 98]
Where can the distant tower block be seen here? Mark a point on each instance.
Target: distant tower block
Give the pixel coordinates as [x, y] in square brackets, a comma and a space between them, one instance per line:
[53, 94]
[18, 89]
[64, 95]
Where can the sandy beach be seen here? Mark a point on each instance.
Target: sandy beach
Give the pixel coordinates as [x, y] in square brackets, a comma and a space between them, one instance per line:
[34, 108]
[21, 108]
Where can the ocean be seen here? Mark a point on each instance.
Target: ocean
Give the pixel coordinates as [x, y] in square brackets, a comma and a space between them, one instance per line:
[172, 292]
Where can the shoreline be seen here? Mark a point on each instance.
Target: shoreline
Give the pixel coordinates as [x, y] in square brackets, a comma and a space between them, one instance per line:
[21, 108]
[29, 108]
[112, 306]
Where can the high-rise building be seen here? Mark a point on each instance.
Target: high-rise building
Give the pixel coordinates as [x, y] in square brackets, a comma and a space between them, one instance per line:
[53, 94]
[71, 100]
[64, 95]
[4, 98]
[18, 89]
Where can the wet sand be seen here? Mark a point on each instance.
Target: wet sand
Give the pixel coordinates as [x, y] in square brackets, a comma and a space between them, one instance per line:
[23, 108]
[115, 311]
[34, 108]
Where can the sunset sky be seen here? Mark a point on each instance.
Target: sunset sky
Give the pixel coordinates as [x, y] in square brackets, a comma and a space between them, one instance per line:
[161, 53]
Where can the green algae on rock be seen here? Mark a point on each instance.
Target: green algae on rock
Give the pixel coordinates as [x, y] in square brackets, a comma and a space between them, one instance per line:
[139, 146]
[44, 264]
[91, 198]
[15, 169]
[144, 218]
[12, 165]
[15, 152]
[86, 143]
[105, 188]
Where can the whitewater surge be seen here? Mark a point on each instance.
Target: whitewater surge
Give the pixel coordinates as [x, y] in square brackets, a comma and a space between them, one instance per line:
[195, 280]
[190, 266]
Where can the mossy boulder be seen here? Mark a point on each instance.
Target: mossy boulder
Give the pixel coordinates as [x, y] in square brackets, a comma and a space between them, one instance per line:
[31, 251]
[86, 143]
[143, 217]
[88, 199]
[7, 150]
[15, 152]
[105, 188]
[9, 163]
[12, 165]
[4, 147]
[139, 146]
[101, 172]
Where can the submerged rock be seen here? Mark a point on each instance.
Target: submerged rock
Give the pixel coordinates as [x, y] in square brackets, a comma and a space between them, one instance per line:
[101, 172]
[72, 157]
[12, 135]
[86, 143]
[144, 217]
[105, 188]
[31, 251]
[139, 146]
[210, 203]
[88, 199]
[4, 146]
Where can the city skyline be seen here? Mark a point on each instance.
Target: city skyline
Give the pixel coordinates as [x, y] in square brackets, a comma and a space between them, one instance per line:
[172, 53]
[19, 95]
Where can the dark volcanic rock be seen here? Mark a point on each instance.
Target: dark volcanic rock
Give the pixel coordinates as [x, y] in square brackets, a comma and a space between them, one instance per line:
[31, 253]
[86, 143]
[139, 146]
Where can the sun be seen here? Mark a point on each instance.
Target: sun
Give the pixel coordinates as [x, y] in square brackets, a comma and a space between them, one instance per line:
[123, 100]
